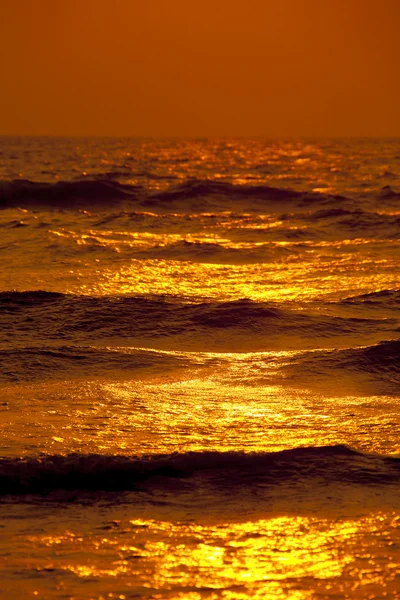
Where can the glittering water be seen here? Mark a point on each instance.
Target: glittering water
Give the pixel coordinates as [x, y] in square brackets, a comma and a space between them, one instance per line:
[200, 365]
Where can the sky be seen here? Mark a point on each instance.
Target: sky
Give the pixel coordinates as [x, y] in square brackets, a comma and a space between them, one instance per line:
[200, 67]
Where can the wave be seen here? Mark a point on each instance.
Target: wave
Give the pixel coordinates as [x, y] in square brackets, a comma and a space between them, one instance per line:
[13, 300]
[383, 298]
[193, 194]
[34, 317]
[44, 474]
[381, 358]
[388, 192]
[374, 368]
[373, 358]
[197, 188]
[64, 194]
[202, 195]
[352, 219]
[35, 363]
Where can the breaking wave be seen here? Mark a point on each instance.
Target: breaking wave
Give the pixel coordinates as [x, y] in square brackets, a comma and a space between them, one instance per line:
[45, 474]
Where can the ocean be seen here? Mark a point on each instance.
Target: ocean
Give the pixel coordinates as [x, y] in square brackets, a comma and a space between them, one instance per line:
[200, 369]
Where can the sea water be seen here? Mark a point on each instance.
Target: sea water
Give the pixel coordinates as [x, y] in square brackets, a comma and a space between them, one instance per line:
[200, 368]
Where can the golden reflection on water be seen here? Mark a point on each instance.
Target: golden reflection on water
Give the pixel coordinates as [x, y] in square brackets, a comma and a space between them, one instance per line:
[191, 413]
[221, 256]
[251, 552]
[280, 281]
[243, 404]
[278, 557]
[248, 255]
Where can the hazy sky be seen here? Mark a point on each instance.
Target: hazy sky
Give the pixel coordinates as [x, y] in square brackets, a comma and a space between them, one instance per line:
[200, 67]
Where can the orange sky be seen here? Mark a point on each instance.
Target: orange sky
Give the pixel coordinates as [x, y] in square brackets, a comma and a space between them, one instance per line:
[200, 67]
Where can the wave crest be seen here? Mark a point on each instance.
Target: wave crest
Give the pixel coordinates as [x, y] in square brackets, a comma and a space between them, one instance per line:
[101, 472]
[106, 193]
[64, 194]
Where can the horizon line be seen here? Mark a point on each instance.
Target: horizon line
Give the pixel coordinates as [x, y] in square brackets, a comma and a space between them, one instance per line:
[200, 136]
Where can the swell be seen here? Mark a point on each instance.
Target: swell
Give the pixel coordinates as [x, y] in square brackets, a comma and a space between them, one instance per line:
[107, 193]
[28, 318]
[326, 464]
[64, 194]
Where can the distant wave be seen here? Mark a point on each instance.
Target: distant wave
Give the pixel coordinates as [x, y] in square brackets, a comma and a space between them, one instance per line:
[105, 193]
[349, 222]
[263, 195]
[326, 464]
[198, 195]
[195, 188]
[383, 298]
[388, 192]
[64, 194]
